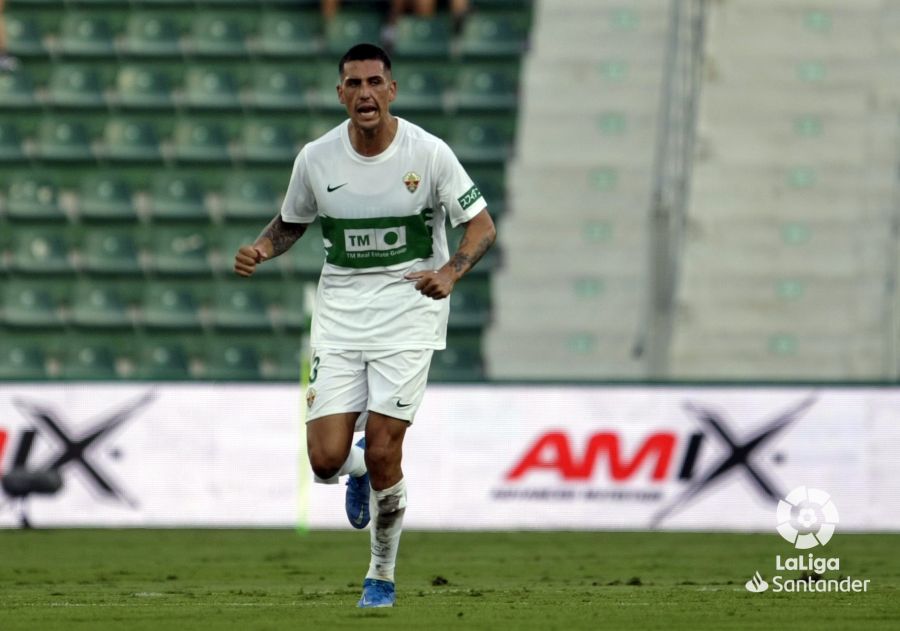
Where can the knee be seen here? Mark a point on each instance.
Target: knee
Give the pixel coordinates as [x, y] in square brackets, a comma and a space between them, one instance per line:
[381, 457]
[325, 464]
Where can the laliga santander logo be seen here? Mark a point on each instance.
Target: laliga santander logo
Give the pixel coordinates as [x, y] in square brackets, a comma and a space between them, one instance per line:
[807, 517]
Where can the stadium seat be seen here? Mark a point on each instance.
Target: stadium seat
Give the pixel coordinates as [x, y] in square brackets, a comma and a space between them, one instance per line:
[177, 197]
[10, 142]
[164, 361]
[212, 88]
[351, 27]
[143, 87]
[24, 35]
[152, 35]
[201, 141]
[249, 196]
[64, 139]
[30, 305]
[41, 251]
[34, 196]
[460, 361]
[17, 90]
[89, 361]
[75, 86]
[277, 88]
[268, 142]
[239, 307]
[229, 361]
[169, 307]
[479, 142]
[420, 88]
[486, 88]
[418, 37]
[110, 251]
[470, 304]
[106, 197]
[96, 306]
[294, 34]
[180, 251]
[293, 313]
[22, 361]
[127, 140]
[326, 97]
[284, 363]
[488, 34]
[86, 34]
[217, 35]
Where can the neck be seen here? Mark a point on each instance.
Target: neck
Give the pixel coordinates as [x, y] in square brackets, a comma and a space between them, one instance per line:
[371, 142]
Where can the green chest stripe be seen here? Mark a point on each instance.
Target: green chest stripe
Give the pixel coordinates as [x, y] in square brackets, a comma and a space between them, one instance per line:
[377, 241]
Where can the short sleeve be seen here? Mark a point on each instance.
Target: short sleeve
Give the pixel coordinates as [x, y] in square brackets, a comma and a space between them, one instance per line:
[299, 205]
[455, 190]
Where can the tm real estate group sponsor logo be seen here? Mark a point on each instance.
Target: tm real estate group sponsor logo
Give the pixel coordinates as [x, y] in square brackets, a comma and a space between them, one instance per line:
[807, 518]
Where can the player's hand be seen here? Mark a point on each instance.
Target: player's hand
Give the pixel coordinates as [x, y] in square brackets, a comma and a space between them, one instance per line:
[436, 284]
[247, 258]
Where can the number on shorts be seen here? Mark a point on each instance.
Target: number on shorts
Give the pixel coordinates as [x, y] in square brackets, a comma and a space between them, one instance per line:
[314, 369]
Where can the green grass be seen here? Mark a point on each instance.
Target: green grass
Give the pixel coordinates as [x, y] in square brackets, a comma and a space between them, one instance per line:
[274, 579]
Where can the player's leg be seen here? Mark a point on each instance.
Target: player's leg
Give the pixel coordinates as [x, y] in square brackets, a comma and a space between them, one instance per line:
[328, 442]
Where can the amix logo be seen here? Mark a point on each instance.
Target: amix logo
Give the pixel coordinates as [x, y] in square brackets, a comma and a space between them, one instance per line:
[660, 457]
[378, 239]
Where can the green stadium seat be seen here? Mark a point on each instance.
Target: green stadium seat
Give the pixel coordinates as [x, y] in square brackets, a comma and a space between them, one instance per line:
[280, 89]
[88, 361]
[86, 34]
[153, 34]
[106, 197]
[268, 142]
[306, 257]
[176, 197]
[326, 97]
[460, 361]
[201, 141]
[284, 363]
[17, 90]
[10, 142]
[164, 361]
[418, 37]
[110, 251]
[34, 196]
[75, 86]
[486, 88]
[96, 306]
[24, 36]
[180, 251]
[22, 361]
[64, 140]
[143, 87]
[420, 88]
[232, 361]
[217, 35]
[293, 313]
[30, 305]
[487, 34]
[130, 141]
[212, 88]
[351, 27]
[232, 238]
[470, 304]
[41, 251]
[294, 34]
[170, 307]
[239, 306]
[479, 142]
[249, 196]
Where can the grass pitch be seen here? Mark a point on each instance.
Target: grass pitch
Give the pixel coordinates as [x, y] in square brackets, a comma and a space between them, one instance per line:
[269, 579]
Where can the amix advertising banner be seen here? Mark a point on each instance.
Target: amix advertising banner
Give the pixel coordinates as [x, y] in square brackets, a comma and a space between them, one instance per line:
[477, 457]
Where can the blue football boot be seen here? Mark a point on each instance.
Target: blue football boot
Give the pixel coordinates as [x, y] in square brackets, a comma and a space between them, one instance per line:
[356, 502]
[377, 593]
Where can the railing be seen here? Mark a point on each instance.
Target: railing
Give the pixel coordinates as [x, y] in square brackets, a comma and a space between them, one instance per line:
[671, 177]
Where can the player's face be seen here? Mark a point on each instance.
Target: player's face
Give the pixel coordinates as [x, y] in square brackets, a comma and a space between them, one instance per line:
[366, 90]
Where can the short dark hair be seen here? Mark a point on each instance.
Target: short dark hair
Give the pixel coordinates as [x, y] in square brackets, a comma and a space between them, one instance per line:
[364, 52]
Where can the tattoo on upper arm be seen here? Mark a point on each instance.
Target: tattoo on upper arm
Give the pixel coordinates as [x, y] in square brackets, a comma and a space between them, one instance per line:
[282, 235]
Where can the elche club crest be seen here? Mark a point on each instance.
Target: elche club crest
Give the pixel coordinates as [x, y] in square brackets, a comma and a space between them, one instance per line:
[411, 180]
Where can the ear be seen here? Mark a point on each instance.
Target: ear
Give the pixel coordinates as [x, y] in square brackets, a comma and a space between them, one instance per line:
[340, 93]
[392, 91]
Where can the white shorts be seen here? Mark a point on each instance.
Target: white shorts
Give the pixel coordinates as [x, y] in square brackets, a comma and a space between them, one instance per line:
[388, 382]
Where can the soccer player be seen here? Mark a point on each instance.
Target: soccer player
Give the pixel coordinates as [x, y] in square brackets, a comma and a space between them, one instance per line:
[382, 188]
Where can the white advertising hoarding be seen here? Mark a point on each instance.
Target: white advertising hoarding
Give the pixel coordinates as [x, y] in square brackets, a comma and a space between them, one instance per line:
[491, 457]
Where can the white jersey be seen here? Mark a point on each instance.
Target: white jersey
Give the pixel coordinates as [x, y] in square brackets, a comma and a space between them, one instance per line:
[382, 217]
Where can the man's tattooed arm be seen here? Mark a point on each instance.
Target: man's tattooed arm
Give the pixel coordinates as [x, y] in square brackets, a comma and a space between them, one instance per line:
[279, 236]
[479, 236]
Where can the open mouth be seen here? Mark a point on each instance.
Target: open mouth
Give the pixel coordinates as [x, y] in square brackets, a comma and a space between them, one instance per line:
[367, 111]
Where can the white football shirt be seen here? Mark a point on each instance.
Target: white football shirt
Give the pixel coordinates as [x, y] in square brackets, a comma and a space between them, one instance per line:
[382, 217]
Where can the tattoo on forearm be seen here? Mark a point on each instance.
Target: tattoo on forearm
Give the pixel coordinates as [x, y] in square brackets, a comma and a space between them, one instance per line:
[463, 262]
[282, 235]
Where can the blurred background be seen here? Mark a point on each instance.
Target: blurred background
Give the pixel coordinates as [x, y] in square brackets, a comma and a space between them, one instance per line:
[686, 191]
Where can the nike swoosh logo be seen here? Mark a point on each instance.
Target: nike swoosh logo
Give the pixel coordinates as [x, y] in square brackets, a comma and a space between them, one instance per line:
[332, 189]
[359, 518]
[402, 405]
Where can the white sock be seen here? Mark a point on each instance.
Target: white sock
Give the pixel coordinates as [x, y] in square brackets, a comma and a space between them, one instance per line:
[354, 465]
[387, 508]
